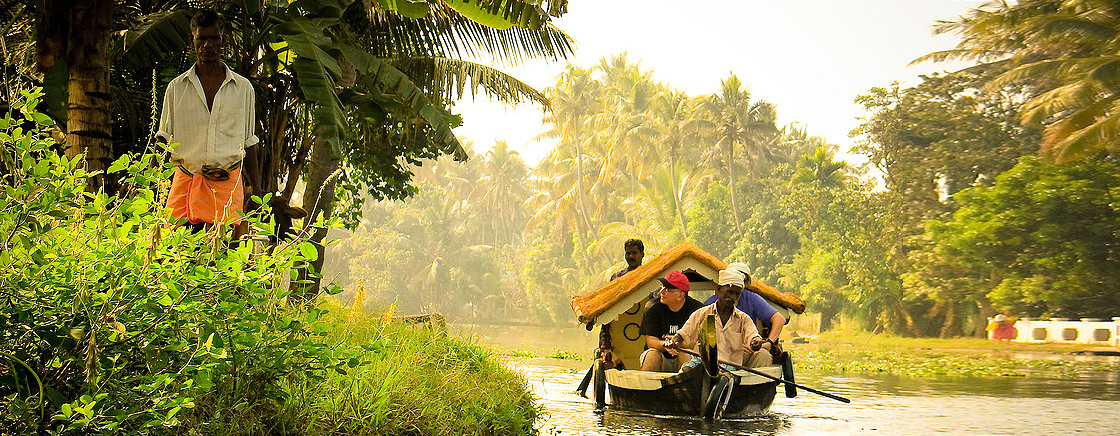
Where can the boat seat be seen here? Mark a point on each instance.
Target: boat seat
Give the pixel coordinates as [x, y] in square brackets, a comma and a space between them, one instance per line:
[637, 379]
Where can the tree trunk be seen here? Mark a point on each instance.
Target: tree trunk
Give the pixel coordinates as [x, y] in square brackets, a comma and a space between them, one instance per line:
[582, 205]
[731, 189]
[318, 200]
[676, 195]
[949, 327]
[88, 126]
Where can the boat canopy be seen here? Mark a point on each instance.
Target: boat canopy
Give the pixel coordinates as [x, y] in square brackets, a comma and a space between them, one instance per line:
[603, 305]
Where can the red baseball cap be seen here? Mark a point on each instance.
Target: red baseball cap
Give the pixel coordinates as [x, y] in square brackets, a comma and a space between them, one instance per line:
[675, 280]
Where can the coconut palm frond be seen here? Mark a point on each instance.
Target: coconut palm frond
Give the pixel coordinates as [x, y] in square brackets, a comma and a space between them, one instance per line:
[452, 78]
[446, 32]
[961, 55]
[1057, 101]
[1083, 133]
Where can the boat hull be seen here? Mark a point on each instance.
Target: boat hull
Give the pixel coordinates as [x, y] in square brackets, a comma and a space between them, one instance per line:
[683, 393]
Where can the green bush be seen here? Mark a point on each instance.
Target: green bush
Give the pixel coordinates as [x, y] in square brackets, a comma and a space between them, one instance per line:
[114, 320]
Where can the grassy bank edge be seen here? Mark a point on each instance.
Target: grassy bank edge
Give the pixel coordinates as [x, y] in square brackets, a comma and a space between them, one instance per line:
[411, 380]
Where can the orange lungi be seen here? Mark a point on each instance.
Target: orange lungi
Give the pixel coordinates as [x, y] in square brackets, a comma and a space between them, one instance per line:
[201, 200]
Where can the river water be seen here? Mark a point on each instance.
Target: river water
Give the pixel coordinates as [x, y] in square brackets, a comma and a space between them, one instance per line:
[881, 404]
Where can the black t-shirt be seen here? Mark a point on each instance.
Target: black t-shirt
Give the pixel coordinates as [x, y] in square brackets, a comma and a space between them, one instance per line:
[660, 321]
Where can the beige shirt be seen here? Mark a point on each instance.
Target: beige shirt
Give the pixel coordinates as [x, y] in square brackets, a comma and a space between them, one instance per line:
[218, 137]
[733, 341]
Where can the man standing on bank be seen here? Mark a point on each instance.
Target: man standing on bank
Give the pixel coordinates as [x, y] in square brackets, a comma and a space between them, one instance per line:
[209, 110]
[662, 320]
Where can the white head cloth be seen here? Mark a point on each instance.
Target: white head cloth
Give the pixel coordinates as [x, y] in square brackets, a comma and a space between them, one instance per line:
[731, 277]
[742, 267]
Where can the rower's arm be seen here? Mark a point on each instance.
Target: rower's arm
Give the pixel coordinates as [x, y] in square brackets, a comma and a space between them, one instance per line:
[776, 323]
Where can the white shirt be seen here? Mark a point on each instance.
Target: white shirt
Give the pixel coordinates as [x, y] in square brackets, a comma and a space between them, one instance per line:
[206, 137]
[733, 341]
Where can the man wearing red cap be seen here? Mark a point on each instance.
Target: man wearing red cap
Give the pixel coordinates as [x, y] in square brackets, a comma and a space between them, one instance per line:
[662, 320]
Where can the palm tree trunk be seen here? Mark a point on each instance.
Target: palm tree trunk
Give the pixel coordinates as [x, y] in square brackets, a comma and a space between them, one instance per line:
[318, 200]
[582, 204]
[731, 189]
[676, 196]
[89, 130]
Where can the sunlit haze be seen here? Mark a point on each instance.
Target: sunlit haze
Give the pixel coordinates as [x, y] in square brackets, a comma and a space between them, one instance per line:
[810, 58]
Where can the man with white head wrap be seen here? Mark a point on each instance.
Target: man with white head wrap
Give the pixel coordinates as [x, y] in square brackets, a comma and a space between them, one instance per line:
[767, 319]
[738, 339]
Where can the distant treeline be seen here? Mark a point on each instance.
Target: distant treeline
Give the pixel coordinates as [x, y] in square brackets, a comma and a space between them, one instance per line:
[988, 190]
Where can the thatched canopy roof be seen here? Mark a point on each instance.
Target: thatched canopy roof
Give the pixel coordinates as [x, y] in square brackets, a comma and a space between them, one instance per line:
[701, 268]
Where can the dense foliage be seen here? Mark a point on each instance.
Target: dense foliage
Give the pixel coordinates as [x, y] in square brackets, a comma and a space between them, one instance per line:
[1044, 239]
[115, 321]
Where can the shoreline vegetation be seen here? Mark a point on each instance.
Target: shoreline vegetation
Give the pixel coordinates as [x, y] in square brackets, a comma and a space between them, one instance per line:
[116, 320]
[841, 352]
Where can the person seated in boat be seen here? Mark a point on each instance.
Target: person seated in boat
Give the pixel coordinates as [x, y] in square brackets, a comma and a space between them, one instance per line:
[767, 319]
[738, 340]
[663, 319]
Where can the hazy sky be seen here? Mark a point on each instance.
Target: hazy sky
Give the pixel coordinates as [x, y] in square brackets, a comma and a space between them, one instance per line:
[811, 58]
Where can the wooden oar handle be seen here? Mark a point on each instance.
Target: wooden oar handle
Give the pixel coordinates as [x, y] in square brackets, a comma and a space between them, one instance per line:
[752, 371]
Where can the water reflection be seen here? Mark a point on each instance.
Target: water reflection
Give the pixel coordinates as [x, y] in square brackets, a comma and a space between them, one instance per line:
[622, 422]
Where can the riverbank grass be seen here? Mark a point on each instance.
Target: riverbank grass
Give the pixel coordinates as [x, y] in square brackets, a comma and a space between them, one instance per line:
[409, 380]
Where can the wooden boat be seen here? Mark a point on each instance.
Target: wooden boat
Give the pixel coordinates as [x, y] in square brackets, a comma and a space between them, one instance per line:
[704, 390]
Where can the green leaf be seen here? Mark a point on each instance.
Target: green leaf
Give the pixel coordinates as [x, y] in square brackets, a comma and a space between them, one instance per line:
[119, 164]
[42, 119]
[391, 81]
[37, 257]
[500, 14]
[408, 8]
[160, 36]
[314, 67]
[308, 251]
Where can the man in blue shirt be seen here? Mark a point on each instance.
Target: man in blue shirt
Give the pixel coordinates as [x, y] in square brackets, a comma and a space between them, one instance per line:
[768, 320]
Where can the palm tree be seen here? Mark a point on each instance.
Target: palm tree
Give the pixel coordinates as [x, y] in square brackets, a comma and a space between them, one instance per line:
[573, 101]
[818, 167]
[669, 126]
[628, 92]
[740, 121]
[500, 190]
[74, 42]
[1063, 54]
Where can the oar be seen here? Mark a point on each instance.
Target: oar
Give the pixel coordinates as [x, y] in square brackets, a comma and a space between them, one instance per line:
[582, 389]
[736, 366]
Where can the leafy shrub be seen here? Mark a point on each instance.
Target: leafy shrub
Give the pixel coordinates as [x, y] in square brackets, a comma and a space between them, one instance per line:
[112, 319]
